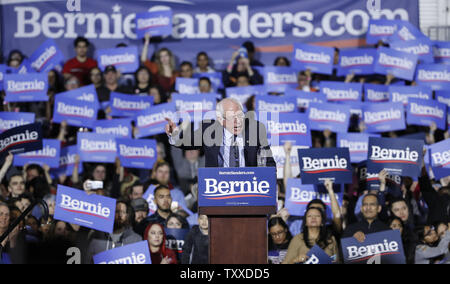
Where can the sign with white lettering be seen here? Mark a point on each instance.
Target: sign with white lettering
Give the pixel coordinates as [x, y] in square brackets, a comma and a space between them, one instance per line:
[279, 155]
[67, 162]
[341, 92]
[289, 127]
[137, 253]
[152, 121]
[421, 48]
[276, 104]
[75, 112]
[443, 97]
[318, 59]
[93, 211]
[47, 57]
[359, 61]
[375, 93]
[436, 76]
[125, 59]
[440, 158]
[48, 155]
[123, 105]
[381, 29]
[278, 79]
[403, 93]
[175, 239]
[425, 112]
[97, 148]
[188, 86]
[323, 116]
[117, 127]
[30, 87]
[21, 139]
[155, 23]
[398, 63]
[384, 117]
[136, 153]
[318, 256]
[370, 180]
[441, 51]
[10, 120]
[357, 143]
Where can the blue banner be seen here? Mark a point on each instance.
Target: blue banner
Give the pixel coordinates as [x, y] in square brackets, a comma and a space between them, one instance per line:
[279, 155]
[175, 239]
[341, 92]
[305, 98]
[425, 112]
[237, 187]
[136, 153]
[67, 162]
[10, 120]
[242, 94]
[93, 211]
[317, 59]
[136, 253]
[358, 61]
[435, 76]
[441, 51]
[190, 104]
[398, 156]
[384, 117]
[407, 32]
[443, 97]
[214, 77]
[153, 121]
[48, 155]
[25, 67]
[187, 86]
[87, 93]
[370, 180]
[327, 116]
[289, 127]
[357, 143]
[403, 93]
[423, 49]
[379, 248]
[318, 256]
[278, 79]
[398, 63]
[123, 105]
[155, 23]
[117, 127]
[125, 59]
[97, 148]
[375, 93]
[47, 57]
[26, 87]
[74, 112]
[278, 104]
[381, 29]
[21, 139]
[440, 158]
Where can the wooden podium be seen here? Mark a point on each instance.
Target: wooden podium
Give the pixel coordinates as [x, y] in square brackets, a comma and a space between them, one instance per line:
[238, 235]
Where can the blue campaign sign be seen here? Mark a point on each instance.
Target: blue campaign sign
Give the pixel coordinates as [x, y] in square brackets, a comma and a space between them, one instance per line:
[21, 139]
[10, 120]
[305, 98]
[237, 187]
[155, 23]
[435, 76]
[30, 87]
[378, 248]
[356, 112]
[403, 93]
[175, 239]
[318, 256]
[384, 117]
[421, 48]
[125, 59]
[123, 105]
[25, 67]
[97, 148]
[47, 57]
[214, 77]
[323, 116]
[187, 86]
[440, 155]
[279, 104]
[201, 103]
[425, 112]
[407, 32]
[317, 165]
[75, 112]
[136, 253]
[289, 127]
[298, 195]
[398, 156]
[93, 211]
[278, 79]
[2, 75]
[318, 59]
[86, 93]
[441, 51]
[443, 97]
[357, 143]
[370, 180]
[117, 127]
[359, 61]
[381, 30]
[242, 94]
[398, 63]
[153, 121]
[341, 92]
[67, 162]
[375, 93]
[150, 198]
[49, 155]
[136, 153]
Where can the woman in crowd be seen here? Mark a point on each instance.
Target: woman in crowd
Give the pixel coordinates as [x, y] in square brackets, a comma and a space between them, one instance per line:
[431, 248]
[279, 238]
[156, 238]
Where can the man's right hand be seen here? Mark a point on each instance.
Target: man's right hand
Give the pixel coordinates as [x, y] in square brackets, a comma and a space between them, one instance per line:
[170, 126]
[359, 236]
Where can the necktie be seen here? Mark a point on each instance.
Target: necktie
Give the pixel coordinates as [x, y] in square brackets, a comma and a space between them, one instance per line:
[234, 154]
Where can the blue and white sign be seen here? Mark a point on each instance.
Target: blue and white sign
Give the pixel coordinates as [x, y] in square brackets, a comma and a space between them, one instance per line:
[137, 253]
[407, 32]
[10, 120]
[425, 112]
[47, 57]
[318, 256]
[279, 156]
[2, 75]
[375, 93]
[30, 87]
[136, 153]
[289, 127]
[75, 112]
[403, 93]
[443, 97]
[86, 93]
[357, 143]
[214, 77]
[423, 49]
[117, 127]
[243, 94]
[341, 92]
[67, 162]
[188, 86]
[237, 187]
[318, 59]
[128, 105]
[277, 104]
[93, 211]
[153, 121]
[278, 79]
[384, 117]
[435, 76]
[318, 165]
[358, 61]
[201, 103]
[398, 63]
[398, 156]
[98, 148]
[175, 239]
[155, 23]
[379, 248]
[48, 155]
[305, 98]
[125, 59]
[370, 180]
[21, 139]
[440, 158]
[381, 30]
[441, 51]
[327, 116]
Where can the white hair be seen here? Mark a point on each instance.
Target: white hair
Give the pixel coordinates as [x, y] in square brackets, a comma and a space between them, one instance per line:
[220, 113]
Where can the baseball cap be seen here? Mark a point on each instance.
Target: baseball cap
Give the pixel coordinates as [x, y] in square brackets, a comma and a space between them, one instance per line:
[139, 204]
[110, 68]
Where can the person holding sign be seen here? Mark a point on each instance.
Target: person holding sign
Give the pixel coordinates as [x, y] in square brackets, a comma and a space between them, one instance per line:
[156, 237]
[233, 140]
[430, 246]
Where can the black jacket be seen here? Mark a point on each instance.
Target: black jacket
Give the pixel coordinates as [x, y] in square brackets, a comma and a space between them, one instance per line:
[196, 247]
[365, 227]
[439, 206]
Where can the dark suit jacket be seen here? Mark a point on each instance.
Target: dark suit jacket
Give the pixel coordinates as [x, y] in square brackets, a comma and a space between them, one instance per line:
[209, 137]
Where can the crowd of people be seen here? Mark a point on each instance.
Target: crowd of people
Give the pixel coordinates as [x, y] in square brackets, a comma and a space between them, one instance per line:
[421, 210]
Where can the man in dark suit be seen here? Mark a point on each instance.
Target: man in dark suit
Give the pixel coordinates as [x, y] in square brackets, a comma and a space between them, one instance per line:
[233, 140]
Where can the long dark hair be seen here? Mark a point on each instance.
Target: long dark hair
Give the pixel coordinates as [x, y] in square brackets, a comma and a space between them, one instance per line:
[324, 235]
[278, 221]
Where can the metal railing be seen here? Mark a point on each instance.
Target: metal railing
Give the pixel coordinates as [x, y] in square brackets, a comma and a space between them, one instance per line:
[441, 33]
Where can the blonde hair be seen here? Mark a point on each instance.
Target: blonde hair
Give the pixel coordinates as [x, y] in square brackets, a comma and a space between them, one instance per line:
[158, 60]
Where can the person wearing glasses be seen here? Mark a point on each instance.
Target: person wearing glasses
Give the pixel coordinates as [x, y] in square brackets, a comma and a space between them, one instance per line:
[279, 239]
[232, 140]
[432, 248]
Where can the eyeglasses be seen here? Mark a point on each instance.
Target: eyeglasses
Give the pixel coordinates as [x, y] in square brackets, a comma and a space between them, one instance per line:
[239, 116]
[277, 234]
